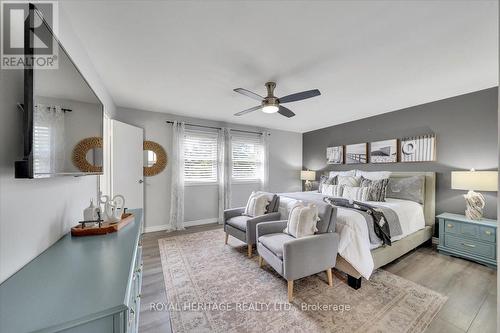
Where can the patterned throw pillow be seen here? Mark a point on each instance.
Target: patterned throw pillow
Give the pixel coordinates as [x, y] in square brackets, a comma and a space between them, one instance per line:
[355, 193]
[302, 221]
[332, 190]
[325, 180]
[377, 189]
[348, 181]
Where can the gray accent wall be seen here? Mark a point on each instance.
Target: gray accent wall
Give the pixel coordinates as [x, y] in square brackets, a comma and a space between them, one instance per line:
[201, 201]
[35, 213]
[467, 135]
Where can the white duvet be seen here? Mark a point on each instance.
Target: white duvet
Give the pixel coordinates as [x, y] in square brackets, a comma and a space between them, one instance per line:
[354, 245]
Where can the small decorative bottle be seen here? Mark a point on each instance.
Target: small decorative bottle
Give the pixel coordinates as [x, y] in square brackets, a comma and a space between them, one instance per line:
[90, 213]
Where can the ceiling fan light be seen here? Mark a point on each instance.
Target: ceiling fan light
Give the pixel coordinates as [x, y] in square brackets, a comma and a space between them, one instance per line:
[270, 109]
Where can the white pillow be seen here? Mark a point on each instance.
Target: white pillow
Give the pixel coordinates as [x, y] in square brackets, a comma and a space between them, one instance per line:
[286, 205]
[350, 173]
[332, 190]
[302, 221]
[355, 193]
[373, 175]
[349, 181]
[256, 205]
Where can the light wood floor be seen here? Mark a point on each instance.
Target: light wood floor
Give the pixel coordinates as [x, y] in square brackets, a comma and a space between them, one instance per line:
[470, 287]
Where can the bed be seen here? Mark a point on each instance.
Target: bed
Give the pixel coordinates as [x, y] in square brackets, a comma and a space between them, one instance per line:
[358, 256]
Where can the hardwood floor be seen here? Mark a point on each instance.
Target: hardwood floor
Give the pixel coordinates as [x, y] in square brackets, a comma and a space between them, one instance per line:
[470, 287]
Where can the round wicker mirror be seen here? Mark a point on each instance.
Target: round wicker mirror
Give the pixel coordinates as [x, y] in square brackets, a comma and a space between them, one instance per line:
[80, 154]
[155, 158]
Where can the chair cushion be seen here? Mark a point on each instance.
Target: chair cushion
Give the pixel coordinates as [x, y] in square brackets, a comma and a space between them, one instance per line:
[239, 222]
[274, 242]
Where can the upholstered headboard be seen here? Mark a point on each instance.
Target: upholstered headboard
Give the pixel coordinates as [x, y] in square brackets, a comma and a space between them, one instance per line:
[429, 204]
[430, 193]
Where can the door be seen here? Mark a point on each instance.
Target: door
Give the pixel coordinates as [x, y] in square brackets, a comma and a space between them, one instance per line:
[127, 163]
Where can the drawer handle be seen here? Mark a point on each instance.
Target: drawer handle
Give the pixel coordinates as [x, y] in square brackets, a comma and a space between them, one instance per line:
[450, 225]
[138, 270]
[487, 232]
[468, 245]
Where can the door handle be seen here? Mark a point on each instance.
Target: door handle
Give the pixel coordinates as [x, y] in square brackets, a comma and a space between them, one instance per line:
[141, 181]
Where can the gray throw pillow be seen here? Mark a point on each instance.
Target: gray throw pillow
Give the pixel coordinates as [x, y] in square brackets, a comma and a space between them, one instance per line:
[407, 188]
[325, 180]
[377, 189]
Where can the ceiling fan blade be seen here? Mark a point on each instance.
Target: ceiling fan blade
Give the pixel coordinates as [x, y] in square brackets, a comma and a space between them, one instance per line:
[285, 112]
[300, 96]
[255, 108]
[248, 93]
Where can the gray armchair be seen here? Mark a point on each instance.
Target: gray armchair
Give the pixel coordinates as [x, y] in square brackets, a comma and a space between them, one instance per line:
[295, 258]
[244, 227]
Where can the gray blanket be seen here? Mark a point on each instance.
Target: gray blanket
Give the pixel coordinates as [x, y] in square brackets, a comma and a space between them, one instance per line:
[390, 222]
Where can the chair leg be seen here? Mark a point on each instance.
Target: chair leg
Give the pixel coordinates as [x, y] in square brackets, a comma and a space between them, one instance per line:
[226, 238]
[290, 290]
[261, 261]
[249, 251]
[330, 277]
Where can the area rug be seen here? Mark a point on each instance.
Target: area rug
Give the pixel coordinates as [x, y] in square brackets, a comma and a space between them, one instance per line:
[212, 287]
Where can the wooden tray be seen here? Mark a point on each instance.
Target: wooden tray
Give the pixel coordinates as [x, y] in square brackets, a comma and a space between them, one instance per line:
[105, 228]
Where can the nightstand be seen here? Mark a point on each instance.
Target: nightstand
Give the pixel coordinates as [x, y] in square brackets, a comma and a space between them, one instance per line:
[470, 239]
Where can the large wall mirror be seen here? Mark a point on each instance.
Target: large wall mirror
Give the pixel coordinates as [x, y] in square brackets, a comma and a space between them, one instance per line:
[155, 158]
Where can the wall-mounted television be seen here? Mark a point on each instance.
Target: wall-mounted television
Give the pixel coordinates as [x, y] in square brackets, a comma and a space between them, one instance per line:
[63, 116]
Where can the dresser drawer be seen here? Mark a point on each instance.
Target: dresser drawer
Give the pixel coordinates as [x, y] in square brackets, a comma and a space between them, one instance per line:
[451, 227]
[487, 234]
[471, 246]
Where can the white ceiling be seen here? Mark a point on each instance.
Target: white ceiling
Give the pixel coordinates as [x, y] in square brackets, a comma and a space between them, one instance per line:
[366, 57]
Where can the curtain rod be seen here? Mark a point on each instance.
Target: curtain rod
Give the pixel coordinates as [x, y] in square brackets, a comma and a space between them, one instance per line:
[217, 128]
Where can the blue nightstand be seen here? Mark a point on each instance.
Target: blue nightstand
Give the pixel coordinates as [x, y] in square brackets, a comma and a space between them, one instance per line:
[470, 239]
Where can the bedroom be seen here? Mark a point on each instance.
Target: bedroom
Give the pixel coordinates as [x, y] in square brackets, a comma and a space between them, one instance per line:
[400, 102]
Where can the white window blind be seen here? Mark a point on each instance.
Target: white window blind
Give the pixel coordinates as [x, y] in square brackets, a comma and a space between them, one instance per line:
[200, 157]
[42, 149]
[246, 157]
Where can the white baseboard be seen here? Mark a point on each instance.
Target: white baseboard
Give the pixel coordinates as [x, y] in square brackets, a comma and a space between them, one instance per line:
[199, 222]
[155, 228]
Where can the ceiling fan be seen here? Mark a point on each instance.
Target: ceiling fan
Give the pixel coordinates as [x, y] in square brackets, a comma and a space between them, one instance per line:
[271, 103]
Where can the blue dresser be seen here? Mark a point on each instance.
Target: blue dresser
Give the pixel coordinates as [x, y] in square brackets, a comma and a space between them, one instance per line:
[470, 239]
[80, 285]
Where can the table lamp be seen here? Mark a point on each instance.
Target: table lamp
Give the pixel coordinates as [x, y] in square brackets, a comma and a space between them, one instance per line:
[478, 181]
[308, 175]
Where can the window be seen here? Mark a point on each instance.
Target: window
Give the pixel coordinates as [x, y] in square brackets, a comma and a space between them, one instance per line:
[42, 149]
[200, 157]
[246, 157]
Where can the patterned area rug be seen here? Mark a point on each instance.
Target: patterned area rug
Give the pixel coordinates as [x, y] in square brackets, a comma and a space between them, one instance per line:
[214, 287]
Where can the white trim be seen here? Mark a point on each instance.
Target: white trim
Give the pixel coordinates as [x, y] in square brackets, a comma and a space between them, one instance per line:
[199, 222]
[155, 228]
[189, 184]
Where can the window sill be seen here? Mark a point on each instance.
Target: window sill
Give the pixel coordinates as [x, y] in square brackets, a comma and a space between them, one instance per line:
[243, 182]
[189, 184]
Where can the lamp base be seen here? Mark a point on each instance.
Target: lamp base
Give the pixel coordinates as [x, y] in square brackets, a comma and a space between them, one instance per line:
[474, 205]
[308, 185]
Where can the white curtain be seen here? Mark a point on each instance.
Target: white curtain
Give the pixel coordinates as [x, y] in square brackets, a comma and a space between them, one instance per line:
[221, 171]
[48, 138]
[177, 182]
[224, 171]
[228, 166]
[264, 183]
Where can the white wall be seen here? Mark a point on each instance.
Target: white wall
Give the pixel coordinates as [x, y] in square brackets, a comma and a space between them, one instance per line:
[202, 200]
[36, 213]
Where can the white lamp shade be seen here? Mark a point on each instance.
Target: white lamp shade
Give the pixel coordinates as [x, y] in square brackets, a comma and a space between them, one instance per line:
[308, 175]
[474, 180]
